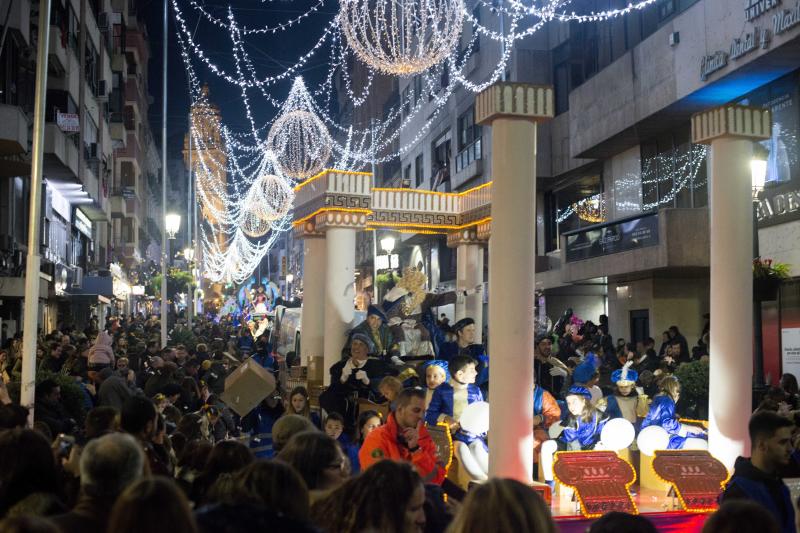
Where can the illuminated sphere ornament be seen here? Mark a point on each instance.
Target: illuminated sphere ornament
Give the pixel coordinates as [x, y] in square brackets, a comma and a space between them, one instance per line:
[401, 37]
[270, 198]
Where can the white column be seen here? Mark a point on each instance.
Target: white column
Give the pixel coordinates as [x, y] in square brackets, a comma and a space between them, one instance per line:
[339, 292]
[469, 274]
[313, 319]
[731, 236]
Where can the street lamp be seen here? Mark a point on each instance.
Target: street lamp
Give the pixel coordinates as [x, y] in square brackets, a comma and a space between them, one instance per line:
[387, 244]
[758, 170]
[172, 223]
[289, 280]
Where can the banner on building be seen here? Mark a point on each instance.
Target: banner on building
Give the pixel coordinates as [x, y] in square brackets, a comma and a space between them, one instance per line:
[68, 122]
[790, 341]
[612, 238]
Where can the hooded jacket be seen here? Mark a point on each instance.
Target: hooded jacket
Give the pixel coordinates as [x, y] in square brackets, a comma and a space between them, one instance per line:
[750, 483]
[102, 353]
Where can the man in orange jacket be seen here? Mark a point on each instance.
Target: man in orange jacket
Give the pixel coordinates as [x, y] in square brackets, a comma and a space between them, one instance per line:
[404, 438]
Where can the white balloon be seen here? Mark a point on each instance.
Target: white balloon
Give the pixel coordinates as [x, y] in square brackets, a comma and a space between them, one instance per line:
[475, 418]
[693, 443]
[617, 434]
[652, 438]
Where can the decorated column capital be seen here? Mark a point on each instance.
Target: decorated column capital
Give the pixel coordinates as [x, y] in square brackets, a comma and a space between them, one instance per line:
[514, 100]
[731, 121]
[463, 236]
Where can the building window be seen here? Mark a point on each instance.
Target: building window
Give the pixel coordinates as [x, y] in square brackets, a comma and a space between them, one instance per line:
[469, 140]
[417, 88]
[673, 172]
[476, 13]
[418, 171]
[406, 101]
[406, 177]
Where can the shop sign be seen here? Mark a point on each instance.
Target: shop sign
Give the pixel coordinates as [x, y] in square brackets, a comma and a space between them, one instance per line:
[612, 238]
[755, 8]
[712, 63]
[68, 122]
[82, 223]
[790, 343]
[786, 19]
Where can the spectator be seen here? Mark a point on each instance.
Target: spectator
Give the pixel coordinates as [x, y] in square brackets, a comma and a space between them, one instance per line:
[27, 467]
[108, 465]
[226, 457]
[404, 437]
[318, 459]
[50, 410]
[154, 505]
[140, 418]
[299, 405]
[113, 390]
[288, 426]
[28, 524]
[790, 387]
[275, 485]
[677, 337]
[100, 421]
[503, 506]
[389, 497]
[757, 478]
[741, 516]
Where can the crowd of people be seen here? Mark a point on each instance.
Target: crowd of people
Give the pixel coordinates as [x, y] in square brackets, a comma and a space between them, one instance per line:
[130, 435]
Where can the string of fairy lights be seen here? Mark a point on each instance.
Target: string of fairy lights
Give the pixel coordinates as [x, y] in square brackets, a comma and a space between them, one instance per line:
[245, 179]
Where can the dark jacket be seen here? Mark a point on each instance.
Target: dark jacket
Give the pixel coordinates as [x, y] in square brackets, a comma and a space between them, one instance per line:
[750, 483]
[90, 515]
[113, 392]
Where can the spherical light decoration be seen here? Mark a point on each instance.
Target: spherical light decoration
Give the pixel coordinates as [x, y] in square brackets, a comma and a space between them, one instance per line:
[301, 143]
[401, 37]
[270, 198]
[253, 225]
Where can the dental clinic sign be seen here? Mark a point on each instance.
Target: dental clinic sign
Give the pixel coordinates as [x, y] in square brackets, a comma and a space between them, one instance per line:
[758, 38]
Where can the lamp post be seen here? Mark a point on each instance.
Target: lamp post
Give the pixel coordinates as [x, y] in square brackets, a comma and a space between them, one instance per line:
[188, 254]
[172, 223]
[289, 280]
[758, 170]
[387, 245]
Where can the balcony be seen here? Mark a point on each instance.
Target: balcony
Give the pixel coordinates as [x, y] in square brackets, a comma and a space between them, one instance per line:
[13, 130]
[135, 43]
[469, 163]
[132, 93]
[131, 149]
[60, 154]
[119, 206]
[57, 52]
[670, 238]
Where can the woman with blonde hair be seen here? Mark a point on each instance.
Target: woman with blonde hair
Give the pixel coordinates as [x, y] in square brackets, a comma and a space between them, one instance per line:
[502, 506]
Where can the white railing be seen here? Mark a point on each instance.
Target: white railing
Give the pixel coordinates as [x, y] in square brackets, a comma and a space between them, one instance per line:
[333, 182]
[414, 200]
[475, 198]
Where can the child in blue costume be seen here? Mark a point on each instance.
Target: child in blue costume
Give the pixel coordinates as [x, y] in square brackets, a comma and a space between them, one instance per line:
[582, 427]
[436, 373]
[450, 399]
[464, 344]
[662, 413]
[626, 402]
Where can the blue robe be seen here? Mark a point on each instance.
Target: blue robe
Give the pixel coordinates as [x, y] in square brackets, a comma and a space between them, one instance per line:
[662, 413]
[442, 404]
[445, 350]
[586, 434]
[538, 399]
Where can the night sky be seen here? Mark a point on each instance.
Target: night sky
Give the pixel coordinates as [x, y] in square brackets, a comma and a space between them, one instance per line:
[270, 55]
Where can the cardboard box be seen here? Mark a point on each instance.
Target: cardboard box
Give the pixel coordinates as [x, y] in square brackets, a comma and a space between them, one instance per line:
[247, 386]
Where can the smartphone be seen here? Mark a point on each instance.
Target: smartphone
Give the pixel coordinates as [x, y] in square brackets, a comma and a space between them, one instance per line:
[63, 445]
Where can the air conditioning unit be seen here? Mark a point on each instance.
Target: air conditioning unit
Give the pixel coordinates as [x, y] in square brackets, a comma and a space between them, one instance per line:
[77, 279]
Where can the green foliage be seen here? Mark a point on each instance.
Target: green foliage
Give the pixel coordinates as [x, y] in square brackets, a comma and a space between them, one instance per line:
[694, 387]
[183, 335]
[178, 281]
[72, 395]
[766, 268]
[384, 280]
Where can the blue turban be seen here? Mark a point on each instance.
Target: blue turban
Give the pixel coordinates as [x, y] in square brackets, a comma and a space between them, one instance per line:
[374, 310]
[358, 336]
[625, 374]
[577, 390]
[584, 371]
[441, 363]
